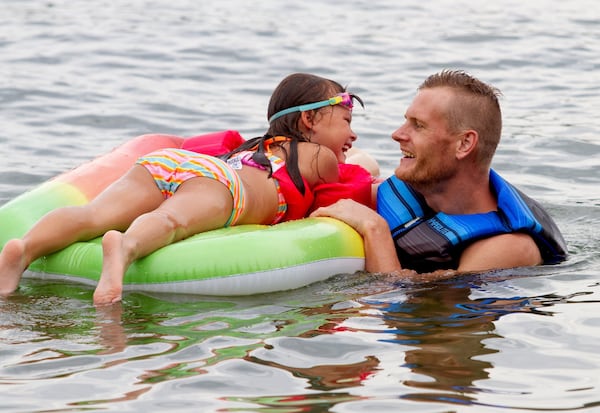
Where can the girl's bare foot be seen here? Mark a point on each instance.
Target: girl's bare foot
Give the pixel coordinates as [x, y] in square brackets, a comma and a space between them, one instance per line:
[114, 264]
[12, 265]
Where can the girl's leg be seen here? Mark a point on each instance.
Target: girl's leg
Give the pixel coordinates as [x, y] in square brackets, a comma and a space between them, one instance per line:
[115, 208]
[200, 204]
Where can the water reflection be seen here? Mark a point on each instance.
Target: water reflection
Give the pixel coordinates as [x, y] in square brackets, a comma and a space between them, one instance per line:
[440, 333]
[447, 338]
[426, 343]
[113, 338]
[448, 331]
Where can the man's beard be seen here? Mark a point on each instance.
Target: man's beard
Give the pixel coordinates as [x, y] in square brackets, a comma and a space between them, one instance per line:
[424, 175]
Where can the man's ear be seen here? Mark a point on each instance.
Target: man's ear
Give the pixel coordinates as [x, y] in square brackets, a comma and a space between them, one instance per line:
[466, 143]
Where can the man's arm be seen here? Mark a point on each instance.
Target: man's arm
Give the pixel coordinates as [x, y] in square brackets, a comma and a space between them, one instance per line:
[380, 252]
[500, 251]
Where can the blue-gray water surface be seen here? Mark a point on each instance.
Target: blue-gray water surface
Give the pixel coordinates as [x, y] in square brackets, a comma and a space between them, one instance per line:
[78, 78]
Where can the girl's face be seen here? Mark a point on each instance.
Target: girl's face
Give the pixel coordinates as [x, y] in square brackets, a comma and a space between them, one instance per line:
[331, 127]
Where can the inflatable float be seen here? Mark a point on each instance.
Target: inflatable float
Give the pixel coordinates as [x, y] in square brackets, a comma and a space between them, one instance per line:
[241, 260]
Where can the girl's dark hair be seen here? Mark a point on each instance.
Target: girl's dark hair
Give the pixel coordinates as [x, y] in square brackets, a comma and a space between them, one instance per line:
[296, 89]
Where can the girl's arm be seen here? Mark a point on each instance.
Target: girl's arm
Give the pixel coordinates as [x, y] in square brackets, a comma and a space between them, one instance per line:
[317, 164]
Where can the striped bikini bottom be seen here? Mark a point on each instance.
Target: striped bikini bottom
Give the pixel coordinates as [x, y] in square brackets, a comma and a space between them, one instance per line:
[171, 167]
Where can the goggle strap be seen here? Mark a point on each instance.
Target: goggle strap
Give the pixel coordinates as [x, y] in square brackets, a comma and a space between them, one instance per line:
[343, 98]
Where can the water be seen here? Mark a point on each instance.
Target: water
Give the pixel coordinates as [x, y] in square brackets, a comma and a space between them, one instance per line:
[79, 78]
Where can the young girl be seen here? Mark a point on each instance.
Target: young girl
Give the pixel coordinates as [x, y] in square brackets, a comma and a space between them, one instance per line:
[172, 194]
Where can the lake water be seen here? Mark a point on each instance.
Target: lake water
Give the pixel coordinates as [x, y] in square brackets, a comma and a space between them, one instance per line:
[78, 78]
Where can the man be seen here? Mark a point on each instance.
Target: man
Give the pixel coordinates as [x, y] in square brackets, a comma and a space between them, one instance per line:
[445, 208]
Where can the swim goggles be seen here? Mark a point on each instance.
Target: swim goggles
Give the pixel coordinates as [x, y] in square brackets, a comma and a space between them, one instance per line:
[345, 99]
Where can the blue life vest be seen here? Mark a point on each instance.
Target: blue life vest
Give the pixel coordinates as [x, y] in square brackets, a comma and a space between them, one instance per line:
[427, 240]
